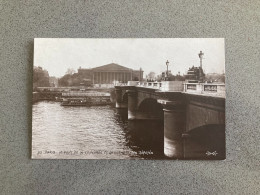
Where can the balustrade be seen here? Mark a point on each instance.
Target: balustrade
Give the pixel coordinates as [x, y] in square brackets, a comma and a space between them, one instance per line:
[205, 88]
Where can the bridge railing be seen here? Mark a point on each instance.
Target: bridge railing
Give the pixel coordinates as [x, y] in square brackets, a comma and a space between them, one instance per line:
[162, 86]
[213, 89]
[176, 86]
[154, 85]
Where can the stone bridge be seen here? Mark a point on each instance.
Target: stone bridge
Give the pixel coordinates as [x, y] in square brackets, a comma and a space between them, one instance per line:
[194, 121]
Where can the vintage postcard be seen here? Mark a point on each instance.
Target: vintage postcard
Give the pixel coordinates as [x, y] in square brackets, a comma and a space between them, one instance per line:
[129, 98]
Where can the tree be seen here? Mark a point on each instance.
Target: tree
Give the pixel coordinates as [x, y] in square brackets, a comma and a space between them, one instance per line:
[177, 77]
[215, 77]
[40, 77]
[65, 80]
[70, 71]
[151, 75]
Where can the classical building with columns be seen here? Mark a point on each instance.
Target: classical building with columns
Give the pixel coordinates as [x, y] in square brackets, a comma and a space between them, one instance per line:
[109, 73]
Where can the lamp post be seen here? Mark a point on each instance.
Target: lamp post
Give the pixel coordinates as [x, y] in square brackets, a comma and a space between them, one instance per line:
[201, 56]
[167, 64]
[201, 76]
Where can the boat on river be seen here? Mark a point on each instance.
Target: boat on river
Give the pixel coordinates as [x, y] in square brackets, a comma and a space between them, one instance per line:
[87, 101]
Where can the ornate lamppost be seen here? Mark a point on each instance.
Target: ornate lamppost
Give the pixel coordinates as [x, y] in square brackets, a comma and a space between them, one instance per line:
[167, 64]
[201, 74]
[201, 56]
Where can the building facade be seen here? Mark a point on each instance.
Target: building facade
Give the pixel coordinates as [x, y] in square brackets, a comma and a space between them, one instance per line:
[108, 74]
[195, 75]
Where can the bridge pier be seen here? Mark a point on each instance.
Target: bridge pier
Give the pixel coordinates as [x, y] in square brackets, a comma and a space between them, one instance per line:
[132, 104]
[119, 99]
[174, 126]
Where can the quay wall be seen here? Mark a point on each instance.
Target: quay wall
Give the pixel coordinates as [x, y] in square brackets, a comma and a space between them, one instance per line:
[35, 97]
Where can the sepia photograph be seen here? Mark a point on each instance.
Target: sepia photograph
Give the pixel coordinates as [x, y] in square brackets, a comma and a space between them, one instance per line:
[129, 98]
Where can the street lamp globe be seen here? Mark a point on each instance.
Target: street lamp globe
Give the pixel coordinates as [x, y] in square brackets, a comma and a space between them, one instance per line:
[201, 54]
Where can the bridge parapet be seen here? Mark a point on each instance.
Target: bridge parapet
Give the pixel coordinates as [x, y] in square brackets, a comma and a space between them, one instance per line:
[163, 85]
[210, 89]
[172, 86]
[155, 85]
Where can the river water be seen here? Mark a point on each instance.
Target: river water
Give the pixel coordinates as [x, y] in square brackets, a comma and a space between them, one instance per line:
[100, 132]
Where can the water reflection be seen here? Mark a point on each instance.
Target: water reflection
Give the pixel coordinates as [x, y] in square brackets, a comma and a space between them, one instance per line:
[103, 132]
[142, 135]
[204, 141]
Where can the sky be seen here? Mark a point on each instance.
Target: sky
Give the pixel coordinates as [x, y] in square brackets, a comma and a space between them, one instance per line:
[56, 55]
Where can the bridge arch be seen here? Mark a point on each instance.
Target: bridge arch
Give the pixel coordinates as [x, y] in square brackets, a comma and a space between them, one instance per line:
[205, 142]
[151, 107]
[125, 98]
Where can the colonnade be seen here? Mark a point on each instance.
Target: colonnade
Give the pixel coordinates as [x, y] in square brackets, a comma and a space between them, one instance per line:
[109, 77]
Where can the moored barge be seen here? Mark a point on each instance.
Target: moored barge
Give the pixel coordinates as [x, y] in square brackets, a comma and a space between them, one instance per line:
[87, 101]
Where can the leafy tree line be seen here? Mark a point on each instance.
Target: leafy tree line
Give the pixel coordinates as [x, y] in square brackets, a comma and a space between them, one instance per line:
[152, 77]
[40, 77]
[215, 78]
[74, 79]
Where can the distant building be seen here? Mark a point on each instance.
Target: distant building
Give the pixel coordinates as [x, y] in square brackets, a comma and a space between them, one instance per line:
[109, 73]
[195, 75]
